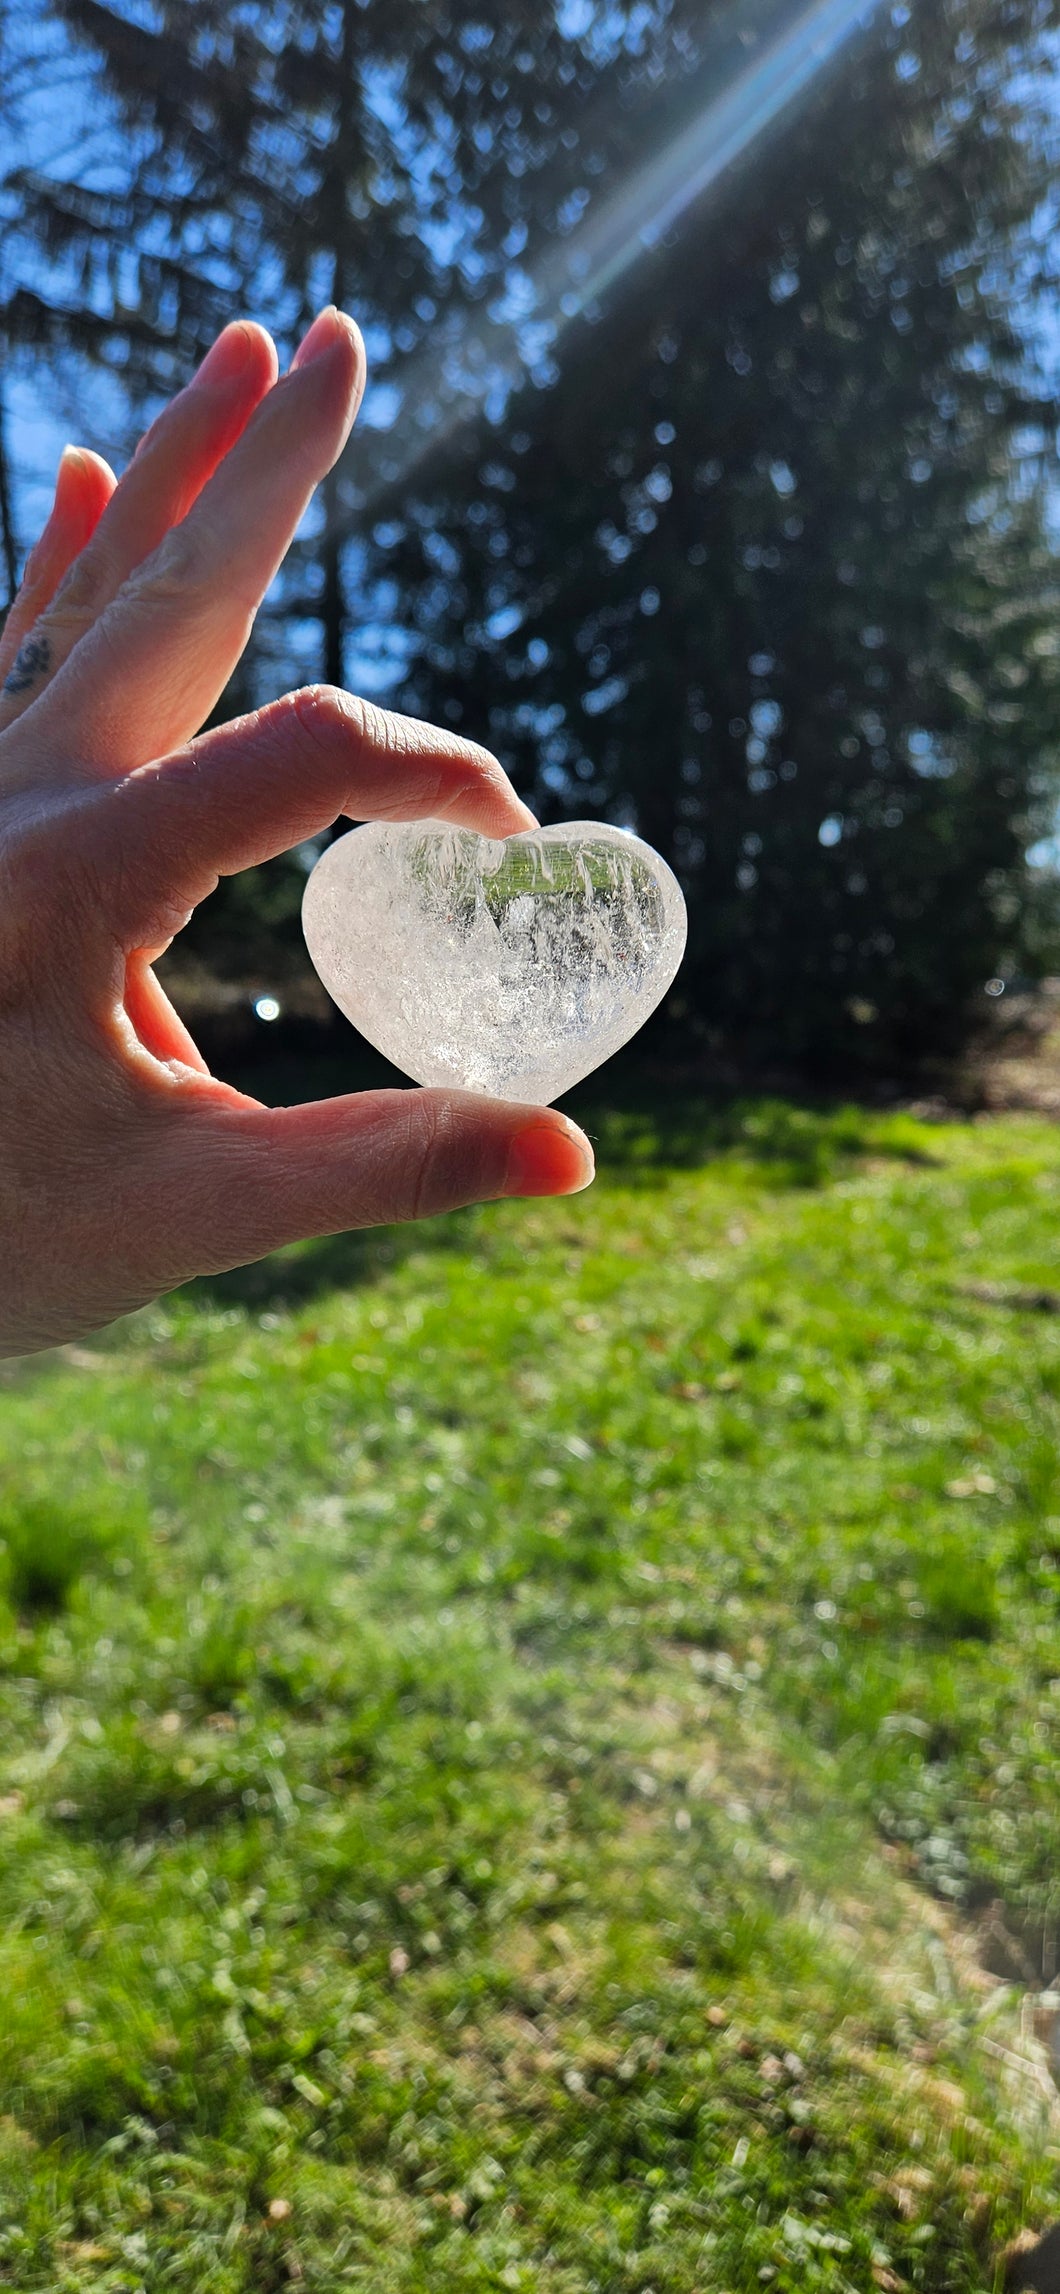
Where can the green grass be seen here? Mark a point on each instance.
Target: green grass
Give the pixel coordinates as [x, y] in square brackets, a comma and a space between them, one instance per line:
[518, 1736]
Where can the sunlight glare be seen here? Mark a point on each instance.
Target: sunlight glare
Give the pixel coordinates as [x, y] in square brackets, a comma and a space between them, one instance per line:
[572, 280]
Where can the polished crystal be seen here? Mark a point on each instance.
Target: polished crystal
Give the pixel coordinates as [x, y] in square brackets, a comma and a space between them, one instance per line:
[513, 967]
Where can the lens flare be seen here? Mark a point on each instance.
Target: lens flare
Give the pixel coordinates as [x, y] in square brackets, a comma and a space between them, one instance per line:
[641, 214]
[436, 394]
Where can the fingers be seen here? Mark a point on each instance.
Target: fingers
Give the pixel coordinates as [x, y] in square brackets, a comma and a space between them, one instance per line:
[159, 839]
[252, 1178]
[171, 466]
[83, 488]
[152, 667]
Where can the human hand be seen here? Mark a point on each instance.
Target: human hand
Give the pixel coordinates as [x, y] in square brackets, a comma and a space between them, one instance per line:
[125, 1167]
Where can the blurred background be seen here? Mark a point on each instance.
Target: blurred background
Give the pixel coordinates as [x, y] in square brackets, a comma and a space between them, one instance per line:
[529, 1742]
[707, 467]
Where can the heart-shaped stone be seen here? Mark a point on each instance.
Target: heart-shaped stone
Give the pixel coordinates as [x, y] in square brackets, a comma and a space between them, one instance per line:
[510, 967]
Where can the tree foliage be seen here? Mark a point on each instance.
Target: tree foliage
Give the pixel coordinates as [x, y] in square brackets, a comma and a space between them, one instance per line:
[763, 568]
[750, 551]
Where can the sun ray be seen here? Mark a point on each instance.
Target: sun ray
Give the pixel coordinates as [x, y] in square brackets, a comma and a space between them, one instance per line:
[591, 264]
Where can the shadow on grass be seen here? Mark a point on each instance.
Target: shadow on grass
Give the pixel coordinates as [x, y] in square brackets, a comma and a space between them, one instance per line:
[644, 1128]
[293, 1277]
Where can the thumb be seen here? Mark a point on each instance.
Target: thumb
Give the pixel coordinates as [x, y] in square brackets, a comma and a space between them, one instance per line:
[252, 1178]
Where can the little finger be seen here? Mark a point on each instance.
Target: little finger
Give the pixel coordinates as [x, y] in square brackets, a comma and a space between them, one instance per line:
[83, 487]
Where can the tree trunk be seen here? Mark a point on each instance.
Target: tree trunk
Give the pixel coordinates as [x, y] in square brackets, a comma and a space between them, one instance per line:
[9, 550]
[333, 601]
[333, 612]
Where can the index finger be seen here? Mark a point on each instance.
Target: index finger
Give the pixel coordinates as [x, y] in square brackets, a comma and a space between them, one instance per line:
[162, 652]
[159, 840]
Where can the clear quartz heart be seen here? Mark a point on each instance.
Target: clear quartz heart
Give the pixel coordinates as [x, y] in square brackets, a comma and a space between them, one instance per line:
[513, 967]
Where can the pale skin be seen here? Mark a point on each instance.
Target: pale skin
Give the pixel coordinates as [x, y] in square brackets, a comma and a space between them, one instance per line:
[125, 1167]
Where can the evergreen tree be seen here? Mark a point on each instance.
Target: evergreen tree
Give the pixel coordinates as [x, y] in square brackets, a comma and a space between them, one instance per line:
[752, 553]
[763, 570]
[270, 157]
[392, 158]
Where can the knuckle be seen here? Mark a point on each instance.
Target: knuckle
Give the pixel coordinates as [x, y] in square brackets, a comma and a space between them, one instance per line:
[429, 1133]
[178, 557]
[407, 1156]
[450, 1157]
[375, 727]
[77, 601]
[396, 737]
[328, 714]
[76, 605]
[172, 575]
[81, 584]
[317, 710]
[392, 766]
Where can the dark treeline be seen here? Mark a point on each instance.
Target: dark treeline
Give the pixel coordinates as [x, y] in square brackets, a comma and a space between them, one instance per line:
[749, 552]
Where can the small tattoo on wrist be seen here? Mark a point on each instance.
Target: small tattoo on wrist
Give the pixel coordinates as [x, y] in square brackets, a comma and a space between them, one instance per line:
[30, 662]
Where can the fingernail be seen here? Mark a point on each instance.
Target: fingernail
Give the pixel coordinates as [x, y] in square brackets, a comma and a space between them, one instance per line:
[544, 1160]
[228, 357]
[62, 500]
[319, 340]
[71, 464]
[528, 822]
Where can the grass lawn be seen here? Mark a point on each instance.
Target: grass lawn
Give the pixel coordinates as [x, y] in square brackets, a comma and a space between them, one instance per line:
[528, 1747]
